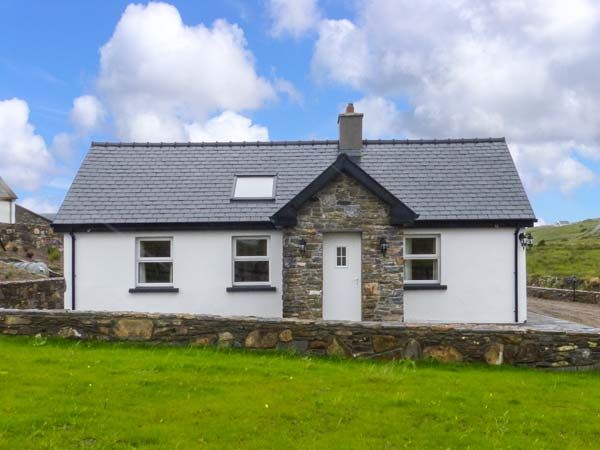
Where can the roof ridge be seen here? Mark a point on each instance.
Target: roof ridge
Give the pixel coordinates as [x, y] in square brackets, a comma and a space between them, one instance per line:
[299, 142]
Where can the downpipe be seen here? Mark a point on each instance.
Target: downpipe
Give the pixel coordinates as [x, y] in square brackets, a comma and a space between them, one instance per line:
[517, 275]
[72, 234]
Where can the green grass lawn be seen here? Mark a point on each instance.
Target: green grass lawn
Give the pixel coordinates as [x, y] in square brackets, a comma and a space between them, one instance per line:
[64, 394]
[567, 250]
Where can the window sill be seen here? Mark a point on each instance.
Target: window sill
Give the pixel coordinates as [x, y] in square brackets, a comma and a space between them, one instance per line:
[425, 287]
[143, 289]
[255, 288]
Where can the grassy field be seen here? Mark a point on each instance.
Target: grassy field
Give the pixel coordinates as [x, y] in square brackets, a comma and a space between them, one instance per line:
[61, 394]
[567, 250]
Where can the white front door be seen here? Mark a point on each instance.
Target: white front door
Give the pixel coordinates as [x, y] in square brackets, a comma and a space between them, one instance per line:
[342, 276]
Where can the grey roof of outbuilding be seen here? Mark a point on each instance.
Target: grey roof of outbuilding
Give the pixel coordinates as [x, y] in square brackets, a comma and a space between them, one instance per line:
[6, 193]
[120, 183]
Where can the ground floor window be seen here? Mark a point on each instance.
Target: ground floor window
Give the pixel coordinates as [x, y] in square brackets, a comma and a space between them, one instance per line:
[154, 260]
[251, 260]
[422, 259]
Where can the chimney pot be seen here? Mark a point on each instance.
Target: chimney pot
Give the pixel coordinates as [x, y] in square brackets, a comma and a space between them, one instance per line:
[350, 124]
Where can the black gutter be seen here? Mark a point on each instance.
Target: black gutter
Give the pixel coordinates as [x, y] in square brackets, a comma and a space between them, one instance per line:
[517, 275]
[161, 226]
[72, 270]
[268, 225]
[472, 223]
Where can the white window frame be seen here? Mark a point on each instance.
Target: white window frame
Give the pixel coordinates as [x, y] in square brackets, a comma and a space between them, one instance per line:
[235, 258]
[139, 259]
[436, 256]
[270, 197]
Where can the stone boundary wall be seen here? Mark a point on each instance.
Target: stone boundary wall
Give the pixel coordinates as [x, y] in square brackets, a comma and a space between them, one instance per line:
[516, 345]
[564, 294]
[564, 282]
[33, 294]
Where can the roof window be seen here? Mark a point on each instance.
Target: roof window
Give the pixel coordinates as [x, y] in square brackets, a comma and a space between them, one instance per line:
[254, 187]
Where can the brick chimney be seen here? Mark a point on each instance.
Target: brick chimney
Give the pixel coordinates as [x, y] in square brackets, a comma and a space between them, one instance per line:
[350, 124]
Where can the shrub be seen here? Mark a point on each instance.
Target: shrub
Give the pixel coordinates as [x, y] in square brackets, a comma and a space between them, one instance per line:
[53, 254]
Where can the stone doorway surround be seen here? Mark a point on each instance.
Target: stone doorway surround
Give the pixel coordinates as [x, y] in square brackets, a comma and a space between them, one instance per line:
[343, 205]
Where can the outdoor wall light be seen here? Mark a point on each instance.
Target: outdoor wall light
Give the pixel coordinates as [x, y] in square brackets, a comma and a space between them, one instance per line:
[526, 240]
[383, 245]
[303, 246]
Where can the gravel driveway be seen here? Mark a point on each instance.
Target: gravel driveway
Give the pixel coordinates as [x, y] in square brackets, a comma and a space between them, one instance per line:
[575, 312]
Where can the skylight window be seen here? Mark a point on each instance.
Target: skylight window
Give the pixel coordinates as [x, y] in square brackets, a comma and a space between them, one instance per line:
[254, 188]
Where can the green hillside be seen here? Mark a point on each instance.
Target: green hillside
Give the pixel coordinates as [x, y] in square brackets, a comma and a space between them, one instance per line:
[566, 250]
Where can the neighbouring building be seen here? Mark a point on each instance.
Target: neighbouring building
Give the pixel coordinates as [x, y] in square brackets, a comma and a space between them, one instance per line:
[347, 229]
[7, 203]
[26, 235]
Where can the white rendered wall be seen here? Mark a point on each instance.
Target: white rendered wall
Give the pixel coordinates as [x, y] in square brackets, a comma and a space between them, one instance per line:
[67, 269]
[7, 211]
[477, 266]
[202, 270]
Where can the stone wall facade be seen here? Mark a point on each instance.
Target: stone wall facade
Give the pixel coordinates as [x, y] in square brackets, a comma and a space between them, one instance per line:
[32, 242]
[344, 205]
[567, 295]
[33, 294]
[515, 345]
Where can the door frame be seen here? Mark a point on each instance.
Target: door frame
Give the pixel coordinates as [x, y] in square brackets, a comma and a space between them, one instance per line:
[354, 237]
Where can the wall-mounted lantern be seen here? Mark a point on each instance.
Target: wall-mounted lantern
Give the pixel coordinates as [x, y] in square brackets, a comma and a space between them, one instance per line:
[303, 246]
[526, 240]
[383, 245]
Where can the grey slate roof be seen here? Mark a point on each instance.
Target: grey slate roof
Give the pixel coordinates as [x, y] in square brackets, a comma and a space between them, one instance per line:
[470, 179]
[6, 192]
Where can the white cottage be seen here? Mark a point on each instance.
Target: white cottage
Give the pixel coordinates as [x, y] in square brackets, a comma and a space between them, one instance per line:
[348, 229]
[7, 203]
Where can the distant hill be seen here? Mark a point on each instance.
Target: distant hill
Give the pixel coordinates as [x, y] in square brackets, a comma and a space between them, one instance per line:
[565, 250]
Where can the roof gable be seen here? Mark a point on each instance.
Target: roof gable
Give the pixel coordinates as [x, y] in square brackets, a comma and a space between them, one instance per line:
[399, 212]
[6, 193]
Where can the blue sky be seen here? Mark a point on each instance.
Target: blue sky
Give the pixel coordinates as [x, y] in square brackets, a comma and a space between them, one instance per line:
[283, 70]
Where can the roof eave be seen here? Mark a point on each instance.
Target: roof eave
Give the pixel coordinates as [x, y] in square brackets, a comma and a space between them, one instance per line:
[161, 226]
[475, 223]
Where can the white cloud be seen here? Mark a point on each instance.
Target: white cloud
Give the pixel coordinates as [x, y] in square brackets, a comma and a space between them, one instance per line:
[288, 88]
[63, 145]
[160, 78]
[60, 183]
[228, 126]
[24, 158]
[340, 53]
[546, 165]
[293, 17]
[381, 117]
[87, 113]
[40, 205]
[527, 70]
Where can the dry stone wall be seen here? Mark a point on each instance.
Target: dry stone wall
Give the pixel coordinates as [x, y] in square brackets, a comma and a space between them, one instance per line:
[567, 295]
[344, 205]
[33, 294]
[495, 345]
